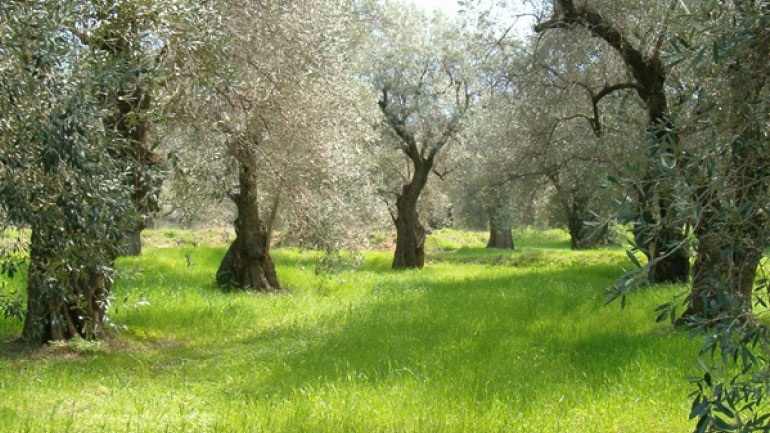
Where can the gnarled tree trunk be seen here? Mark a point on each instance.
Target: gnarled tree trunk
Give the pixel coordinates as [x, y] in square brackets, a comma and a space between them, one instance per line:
[410, 233]
[247, 263]
[410, 238]
[500, 233]
[63, 305]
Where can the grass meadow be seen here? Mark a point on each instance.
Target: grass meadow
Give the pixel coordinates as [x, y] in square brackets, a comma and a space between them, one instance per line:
[478, 341]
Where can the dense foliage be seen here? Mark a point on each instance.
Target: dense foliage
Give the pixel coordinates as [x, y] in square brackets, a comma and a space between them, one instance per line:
[59, 173]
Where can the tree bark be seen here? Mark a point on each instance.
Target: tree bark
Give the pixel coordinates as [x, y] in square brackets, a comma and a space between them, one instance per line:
[576, 228]
[410, 238]
[500, 233]
[133, 238]
[247, 263]
[410, 233]
[500, 237]
[143, 178]
[574, 202]
[62, 306]
[732, 229]
[666, 248]
[723, 275]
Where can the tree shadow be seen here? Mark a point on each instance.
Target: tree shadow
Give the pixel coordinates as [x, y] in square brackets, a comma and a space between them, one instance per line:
[462, 335]
[478, 338]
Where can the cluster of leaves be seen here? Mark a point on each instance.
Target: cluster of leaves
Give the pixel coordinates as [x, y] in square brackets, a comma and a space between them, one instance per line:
[11, 304]
[58, 174]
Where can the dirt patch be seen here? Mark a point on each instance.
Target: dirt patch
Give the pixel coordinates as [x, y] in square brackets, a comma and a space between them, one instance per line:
[78, 350]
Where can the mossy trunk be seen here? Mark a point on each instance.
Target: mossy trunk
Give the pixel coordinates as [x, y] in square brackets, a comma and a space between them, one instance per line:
[63, 305]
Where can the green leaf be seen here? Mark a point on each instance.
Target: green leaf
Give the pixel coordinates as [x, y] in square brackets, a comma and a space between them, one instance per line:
[633, 259]
[700, 407]
[702, 424]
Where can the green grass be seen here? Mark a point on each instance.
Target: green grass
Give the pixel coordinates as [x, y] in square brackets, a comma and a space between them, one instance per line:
[478, 341]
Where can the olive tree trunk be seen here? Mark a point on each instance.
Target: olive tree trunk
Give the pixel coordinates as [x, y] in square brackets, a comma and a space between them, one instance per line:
[62, 305]
[732, 229]
[410, 233]
[575, 202]
[723, 276]
[144, 178]
[500, 233]
[131, 103]
[247, 263]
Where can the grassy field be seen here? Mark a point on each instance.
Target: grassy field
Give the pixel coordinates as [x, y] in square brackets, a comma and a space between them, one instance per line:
[478, 341]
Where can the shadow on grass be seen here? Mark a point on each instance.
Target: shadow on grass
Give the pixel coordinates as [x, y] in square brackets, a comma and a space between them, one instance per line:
[465, 339]
[503, 333]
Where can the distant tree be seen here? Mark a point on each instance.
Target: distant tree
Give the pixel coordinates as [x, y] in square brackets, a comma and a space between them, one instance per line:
[549, 143]
[479, 182]
[424, 75]
[287, 113]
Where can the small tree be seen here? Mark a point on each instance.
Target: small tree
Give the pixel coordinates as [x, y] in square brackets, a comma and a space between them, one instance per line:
[425, 81]
[287, 114]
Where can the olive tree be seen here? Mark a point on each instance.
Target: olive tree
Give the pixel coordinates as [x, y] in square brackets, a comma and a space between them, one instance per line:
[549, 140]
[423, 73]
[727, 179]
[719, 169]
[59, 175]
[633, 32]
[148, 46]
[287, 113]
[484, 197]
[77, 164]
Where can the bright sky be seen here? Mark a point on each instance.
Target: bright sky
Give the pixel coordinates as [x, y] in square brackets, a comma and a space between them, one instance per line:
[523, 24]
[448, 6]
